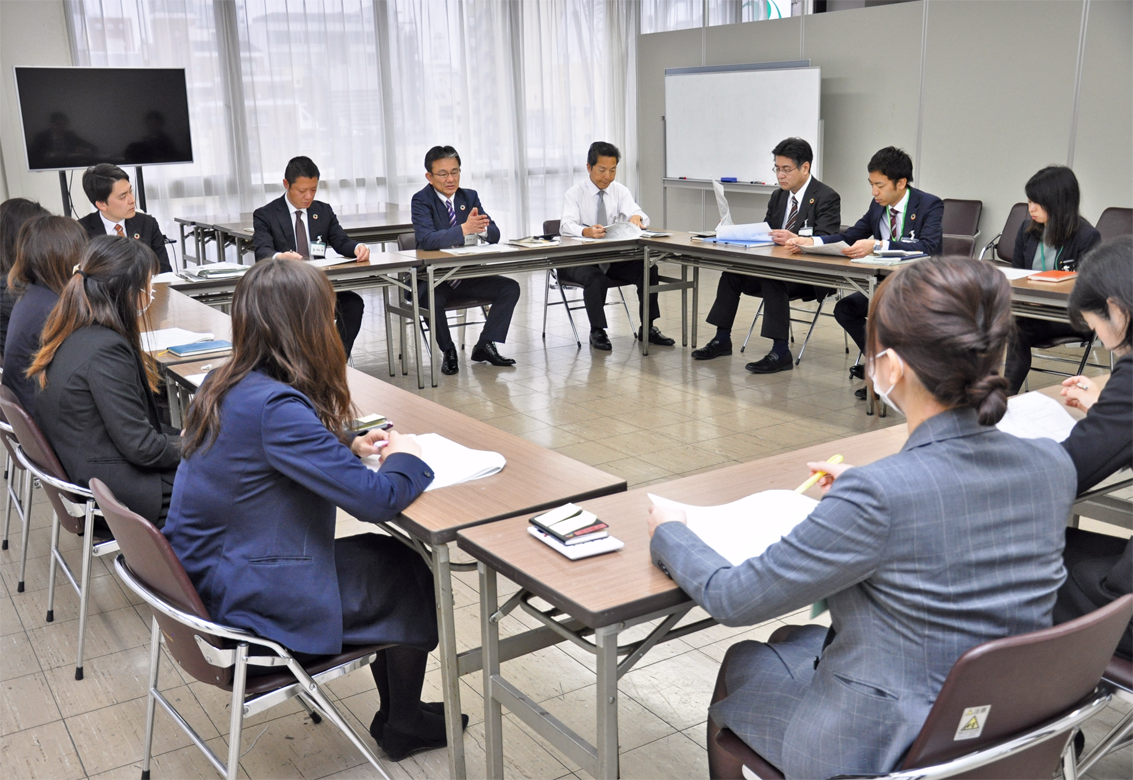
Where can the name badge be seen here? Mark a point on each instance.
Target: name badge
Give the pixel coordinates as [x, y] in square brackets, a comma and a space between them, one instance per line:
[318, 250]
[806, 232]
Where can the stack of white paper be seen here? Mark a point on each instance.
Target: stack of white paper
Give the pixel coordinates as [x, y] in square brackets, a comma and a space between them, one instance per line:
[744, 529]
[325, 262]
[826, 249]
[474, 249]
[1036, 416]
[451, 463]
[160, 340]
[754, 231]
[1017, 273]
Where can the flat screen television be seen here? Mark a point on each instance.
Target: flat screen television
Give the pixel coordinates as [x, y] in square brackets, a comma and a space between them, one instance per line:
[75, 117]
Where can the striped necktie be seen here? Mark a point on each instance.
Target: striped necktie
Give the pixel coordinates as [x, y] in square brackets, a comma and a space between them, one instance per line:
[794, 215]
[451, 214]
[893, 224]
[118, 229]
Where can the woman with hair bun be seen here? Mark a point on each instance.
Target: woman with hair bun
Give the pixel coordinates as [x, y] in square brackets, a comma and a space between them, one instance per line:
[954, 541]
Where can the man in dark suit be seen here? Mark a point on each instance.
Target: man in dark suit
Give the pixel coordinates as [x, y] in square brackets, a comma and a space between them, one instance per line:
[446, 215]
[109, 190]
[298, 227]
[802, 206]
[900, 217]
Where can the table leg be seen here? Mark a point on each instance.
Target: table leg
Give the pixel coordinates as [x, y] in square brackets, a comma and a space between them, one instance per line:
[414, 326]
[450, 673]
[606, 742]
[695, 301]
[389, 331]
[432, 329]
[490, 640]
[684, 306]
[649, 290]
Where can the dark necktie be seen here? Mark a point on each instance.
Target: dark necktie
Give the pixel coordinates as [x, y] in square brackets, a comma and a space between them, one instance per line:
[451, 223]
[793, 217]
[893, 224]
[301, 245]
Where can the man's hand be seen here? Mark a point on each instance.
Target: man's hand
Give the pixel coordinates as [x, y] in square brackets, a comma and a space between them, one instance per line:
[362, 253]
[664, 514]
[636, 219]
[594, 231]
[288, 256]
[476, 222]
[793, 244]
[859, 249]
[781, 237]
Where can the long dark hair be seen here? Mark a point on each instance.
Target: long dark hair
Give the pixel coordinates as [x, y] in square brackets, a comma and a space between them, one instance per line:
[113, 274]
[950, 320]
[46, 253]
[1105, 274]
[1055, 188]
[14, 212]
[283, 325]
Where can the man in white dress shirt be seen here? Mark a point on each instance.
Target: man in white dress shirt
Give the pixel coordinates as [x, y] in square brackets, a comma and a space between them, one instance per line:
[590, 207]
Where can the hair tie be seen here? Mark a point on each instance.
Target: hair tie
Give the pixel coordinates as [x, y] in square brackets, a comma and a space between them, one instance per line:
[80, 272]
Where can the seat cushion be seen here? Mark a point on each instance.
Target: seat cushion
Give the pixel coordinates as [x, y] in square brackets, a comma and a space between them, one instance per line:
[269, 682]
[1119, 671]
[727, 742]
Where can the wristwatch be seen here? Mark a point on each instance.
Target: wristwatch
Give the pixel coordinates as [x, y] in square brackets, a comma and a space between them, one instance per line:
[876, 246]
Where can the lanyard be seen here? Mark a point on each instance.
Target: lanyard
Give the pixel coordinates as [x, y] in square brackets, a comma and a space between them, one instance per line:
[900, 227]
[1042, 256]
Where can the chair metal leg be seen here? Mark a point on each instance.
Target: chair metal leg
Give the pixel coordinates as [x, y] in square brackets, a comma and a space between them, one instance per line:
[236, 723]
[752, 328]
[322, 703]
[52, 564]
[84, 589]
[151, 699]
[1117, 738]
[1069, 767]
[547, 303]
[629, 316]
[25, 516]
[809, 331]
[570, 316]
[9, 478]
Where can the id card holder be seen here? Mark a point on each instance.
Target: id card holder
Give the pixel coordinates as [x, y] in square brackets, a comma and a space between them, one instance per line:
[806, 232]
[318, 250]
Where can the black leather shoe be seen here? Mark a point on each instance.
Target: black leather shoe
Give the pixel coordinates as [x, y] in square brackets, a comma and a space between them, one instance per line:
[599, 340]
[771, 363]
[713, 349]
[449, 364]
[860, 394]
[858, 371]
[379, 721]
[487, 352]
[657, 337]
[399, 745]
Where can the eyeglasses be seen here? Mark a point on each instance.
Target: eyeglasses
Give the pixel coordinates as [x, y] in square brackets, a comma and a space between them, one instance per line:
[442, 175]
[777, 170]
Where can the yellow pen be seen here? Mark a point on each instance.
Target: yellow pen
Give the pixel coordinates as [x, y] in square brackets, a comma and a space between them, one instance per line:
[804, 487]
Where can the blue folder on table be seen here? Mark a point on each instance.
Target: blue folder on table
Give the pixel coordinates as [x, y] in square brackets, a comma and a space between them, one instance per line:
[737, 242]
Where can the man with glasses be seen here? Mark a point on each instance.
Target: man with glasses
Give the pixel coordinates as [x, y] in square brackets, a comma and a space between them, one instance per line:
[802, 206]
[445, 215]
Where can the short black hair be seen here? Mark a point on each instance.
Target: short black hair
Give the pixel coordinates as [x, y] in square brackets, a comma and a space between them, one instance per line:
[99, 181]
[300, 168]
[1055, 188]
[795, 148]
[440, 153]
[1105, 274]
[893, 164]
[602, 149]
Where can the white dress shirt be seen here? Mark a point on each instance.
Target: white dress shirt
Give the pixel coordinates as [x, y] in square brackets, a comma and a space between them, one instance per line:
[306, 227]
[581, 208]
[798, 196]
[109, 225]
[883, 227]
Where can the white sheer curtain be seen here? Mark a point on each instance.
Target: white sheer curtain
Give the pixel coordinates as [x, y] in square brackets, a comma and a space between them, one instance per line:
[365, 87]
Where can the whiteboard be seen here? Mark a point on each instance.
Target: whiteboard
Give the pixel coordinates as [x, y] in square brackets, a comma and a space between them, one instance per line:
[725, 122]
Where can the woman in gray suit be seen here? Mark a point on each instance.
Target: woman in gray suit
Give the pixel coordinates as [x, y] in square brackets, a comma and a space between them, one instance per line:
[954, 541]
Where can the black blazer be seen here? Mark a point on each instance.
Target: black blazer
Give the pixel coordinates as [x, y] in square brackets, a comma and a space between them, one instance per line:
[100, 416]
[28, 318]
[430, 218]
[7, 302]
[275, 230]
[821, 209]
[1026, 244]
[922, 230]
[140, 226]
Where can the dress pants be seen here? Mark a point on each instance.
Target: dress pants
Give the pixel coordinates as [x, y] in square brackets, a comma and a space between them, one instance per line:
[1029, 332]
[776, 302]
[851, 314]
[348, 309]
[595, 283]
[500, 290]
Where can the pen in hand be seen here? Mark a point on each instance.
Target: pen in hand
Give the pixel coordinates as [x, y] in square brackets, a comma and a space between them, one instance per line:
[804, 487]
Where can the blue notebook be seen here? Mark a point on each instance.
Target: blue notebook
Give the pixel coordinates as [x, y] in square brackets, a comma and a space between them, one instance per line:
[737, 242]
[200, 348]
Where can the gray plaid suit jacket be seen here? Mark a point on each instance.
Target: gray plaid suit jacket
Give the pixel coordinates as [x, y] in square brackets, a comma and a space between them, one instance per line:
[952, 542]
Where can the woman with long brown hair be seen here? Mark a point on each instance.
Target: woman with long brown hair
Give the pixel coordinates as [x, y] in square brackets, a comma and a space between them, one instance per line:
[14, 212]
[46, 253]
[268, 457]
[96, 402]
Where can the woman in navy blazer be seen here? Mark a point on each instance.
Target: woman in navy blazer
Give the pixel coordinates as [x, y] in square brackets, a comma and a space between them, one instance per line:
[1054, 238]
[267, 458]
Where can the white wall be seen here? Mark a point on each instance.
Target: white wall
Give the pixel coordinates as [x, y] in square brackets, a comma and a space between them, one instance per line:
[32, 32]
[997, 98]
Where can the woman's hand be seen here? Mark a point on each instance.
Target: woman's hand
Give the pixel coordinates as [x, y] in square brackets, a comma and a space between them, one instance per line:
[369, 443]
[832, 472]
[1081, 392]
[400, 442]
[664, 514]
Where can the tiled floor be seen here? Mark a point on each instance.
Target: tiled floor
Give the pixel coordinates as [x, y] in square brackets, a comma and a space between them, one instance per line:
[645, 419]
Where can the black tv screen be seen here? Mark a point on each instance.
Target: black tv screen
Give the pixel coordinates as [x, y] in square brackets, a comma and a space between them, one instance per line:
[75, 117]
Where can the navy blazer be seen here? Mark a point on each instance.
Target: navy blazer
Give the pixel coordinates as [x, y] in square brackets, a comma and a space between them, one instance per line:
[1027, 243]
[430, 218]
[253, 514]
[821, 209]
[23, 340]
[274, 229]
[922, 230]
[140, 226]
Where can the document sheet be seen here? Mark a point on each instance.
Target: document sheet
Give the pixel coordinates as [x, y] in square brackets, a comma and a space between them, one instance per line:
[451, 463]
[834, 249]
[752, 231]
[1036, 416]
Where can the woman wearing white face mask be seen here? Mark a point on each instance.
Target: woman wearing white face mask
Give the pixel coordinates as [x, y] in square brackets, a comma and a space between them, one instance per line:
[1099, 568]
[95, 387]
[952, 542]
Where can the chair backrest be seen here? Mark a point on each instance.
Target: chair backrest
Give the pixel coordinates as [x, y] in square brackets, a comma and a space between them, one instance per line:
[1005, 248]
[1115, 222]
[151, 560]
[42, 455]
[551, 227]
[964, 246]
[1025, 680]
[406, 241]
[962, 217]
